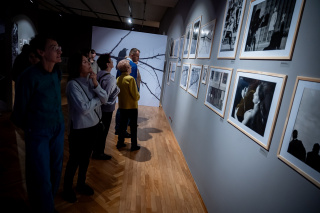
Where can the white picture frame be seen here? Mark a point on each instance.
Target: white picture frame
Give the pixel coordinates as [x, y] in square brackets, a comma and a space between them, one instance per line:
[194, 79]
[185, 70]
[195, 37]
[206, 39]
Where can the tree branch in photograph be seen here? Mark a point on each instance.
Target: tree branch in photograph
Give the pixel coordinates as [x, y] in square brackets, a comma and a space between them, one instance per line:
[120, 41]
[150, 90]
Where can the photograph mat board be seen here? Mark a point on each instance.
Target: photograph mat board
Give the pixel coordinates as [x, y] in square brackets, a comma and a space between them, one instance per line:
[173, 69]
[303, 116]
[194, 37]
[271, 80]
[180, 55]
[204, 74]
[218, 89]
[231, 29]
[184, 76]
[206, 37]
[194, 79]
[258, 42]
[187, 40]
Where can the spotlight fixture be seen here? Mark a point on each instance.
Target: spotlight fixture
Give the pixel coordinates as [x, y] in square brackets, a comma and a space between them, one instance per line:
[31, 1]
[129, 20]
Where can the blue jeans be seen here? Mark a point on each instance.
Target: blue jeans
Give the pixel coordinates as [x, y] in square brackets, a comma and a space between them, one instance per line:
[44, 157]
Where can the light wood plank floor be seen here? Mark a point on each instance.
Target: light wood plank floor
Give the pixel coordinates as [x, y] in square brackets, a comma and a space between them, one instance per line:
[154, 179]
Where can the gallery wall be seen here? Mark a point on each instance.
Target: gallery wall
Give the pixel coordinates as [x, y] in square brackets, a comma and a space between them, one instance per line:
[233, 172]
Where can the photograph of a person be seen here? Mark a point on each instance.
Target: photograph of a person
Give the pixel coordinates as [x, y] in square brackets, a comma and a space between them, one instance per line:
[204, 74]
[194, 79]
[218, 89]
[195, 37]
[206, 39]
[271, 29]
[173, 68]
[184, 76]
[230, 32]
[255, 103]
[180, 51]
[187, 41]
[300, 143]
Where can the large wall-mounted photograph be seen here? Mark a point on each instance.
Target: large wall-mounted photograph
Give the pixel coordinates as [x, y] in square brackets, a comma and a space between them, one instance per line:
[194, 37]
[255, 104]
[152, 56]
[206, 39]
[271, 29]
[300, 144]
[231, 28]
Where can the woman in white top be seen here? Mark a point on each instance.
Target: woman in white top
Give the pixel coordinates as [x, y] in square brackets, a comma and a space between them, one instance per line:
[85, 97]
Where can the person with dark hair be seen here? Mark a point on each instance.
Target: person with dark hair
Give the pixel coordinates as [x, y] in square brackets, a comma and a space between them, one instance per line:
[133, 58]
[313, 157]
[25, 59]
[85, 97]
[37, 110]
[256, 118]
[109, 83]
[92, 54]
[296, 147]
[128, 104]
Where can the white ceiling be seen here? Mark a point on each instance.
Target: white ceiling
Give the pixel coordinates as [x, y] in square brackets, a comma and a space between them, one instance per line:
[144, 12]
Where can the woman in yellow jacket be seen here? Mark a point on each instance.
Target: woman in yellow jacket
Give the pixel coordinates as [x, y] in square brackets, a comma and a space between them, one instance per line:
[128, 104]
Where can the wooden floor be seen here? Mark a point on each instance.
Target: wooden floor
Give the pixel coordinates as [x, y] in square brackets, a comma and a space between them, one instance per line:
[154, 179]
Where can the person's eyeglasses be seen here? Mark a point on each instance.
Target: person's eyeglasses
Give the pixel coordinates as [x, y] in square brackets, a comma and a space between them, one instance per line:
[56, 48]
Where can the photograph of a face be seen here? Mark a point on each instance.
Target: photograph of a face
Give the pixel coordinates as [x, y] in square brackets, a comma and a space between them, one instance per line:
[218, 89]
[194, 80]
[184, 76]
[231, 27]
[271, 29]
[187, 41]
[180, 54]
[173, 68]
[255, 102]
[300, 145]
[206, 40]
[195, 37]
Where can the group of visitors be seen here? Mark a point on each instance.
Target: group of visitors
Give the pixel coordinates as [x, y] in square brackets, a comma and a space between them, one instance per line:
[91, 93]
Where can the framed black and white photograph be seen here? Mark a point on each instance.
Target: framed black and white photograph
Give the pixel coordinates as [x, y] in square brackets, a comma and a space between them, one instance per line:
[231, 28]
[204, 74]
[271, 29]
[173, 68]
[194, 80]
[171, 45]
[180, 51]
[168, 67]
[255, 104]
[187, 40]
[184, 76]
[218, 89]
[300, 145]
[195, 37]
[206, 39]
[176, 48]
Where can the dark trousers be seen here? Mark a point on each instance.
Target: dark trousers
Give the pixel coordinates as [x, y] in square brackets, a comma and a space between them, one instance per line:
[125, 115]
[117, 126]
[80, 148]
[100, 144]
[44, 157]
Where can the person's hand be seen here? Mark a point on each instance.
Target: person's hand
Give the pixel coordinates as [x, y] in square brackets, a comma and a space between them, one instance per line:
[93, 76]
[247, 115]
[244, 92]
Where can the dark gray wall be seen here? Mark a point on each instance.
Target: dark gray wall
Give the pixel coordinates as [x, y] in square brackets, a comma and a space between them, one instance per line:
[232, 172]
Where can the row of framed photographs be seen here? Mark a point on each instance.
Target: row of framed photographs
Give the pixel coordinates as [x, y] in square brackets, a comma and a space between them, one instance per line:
[270, 32]
[254, 107]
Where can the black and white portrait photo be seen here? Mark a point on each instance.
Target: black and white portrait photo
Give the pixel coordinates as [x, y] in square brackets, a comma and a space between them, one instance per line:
[217, 89]
[194, 79]
[255, 103]
[184, 76]
[194, 37]
[206, 39]
[271, 28]
[231, 28]
[300, 144]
